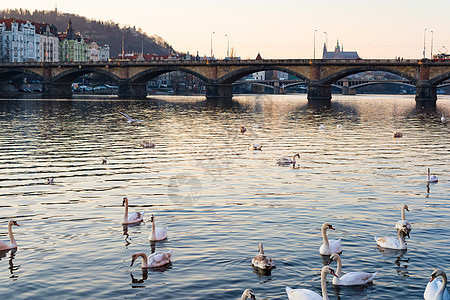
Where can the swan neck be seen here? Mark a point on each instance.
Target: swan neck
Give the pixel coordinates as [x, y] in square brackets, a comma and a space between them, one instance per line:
[400, 238]
[11, 236]
[153, 234]
[261, 249]
[428, 174]
[339, 267]
[443, 286]
[323, 283]
[325, 237]
[144, 259]
[403, 213]
[125, 215]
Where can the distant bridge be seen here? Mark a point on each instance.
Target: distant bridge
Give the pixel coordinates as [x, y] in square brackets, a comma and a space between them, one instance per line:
[219, 75]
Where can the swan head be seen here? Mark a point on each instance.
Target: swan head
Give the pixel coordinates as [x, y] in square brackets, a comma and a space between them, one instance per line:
[327, 226]
[133, 259]
[125, 200]
[436, 273]
[404, 232]
[297, 155]
[405, 207]
[12, 222]
[248, 293]
[327, 269]
[152, 218]
[333, 257]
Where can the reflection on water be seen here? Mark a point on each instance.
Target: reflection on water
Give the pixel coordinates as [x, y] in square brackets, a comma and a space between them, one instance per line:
[219, 199]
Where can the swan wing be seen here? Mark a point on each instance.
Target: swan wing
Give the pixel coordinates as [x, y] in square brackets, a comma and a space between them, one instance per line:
[159, 259]
[355, 278]
[135, 216]
[335, 246]
[302, 294]
[161, 233]
[5, 246]
[388, 242]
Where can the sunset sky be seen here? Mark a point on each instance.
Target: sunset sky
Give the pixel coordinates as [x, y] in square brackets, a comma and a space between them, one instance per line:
[276, 29]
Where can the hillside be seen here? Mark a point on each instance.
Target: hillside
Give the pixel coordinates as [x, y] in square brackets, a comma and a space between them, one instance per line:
[103, 32]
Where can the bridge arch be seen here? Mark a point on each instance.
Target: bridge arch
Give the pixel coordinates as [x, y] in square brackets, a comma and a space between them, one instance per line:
[69, 76]
[350, 71]
[439, 79]
[149, 74]
[5, 74]
[238, 74]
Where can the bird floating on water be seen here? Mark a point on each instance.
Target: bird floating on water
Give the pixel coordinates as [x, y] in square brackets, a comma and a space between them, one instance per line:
[403, 223]
[148, 144]
[391, 242]
[397, 134]
[431, 178]
[254, 147]
[329, 246]
[132, 217]
[286, 161]
[104, 161]
[437, 290]
[155, 260]
[261, 260]
[350, 278]
[443, 120]
[243, 129]
[130, 119]
[13, 245]
[158, 233]
[50, 180]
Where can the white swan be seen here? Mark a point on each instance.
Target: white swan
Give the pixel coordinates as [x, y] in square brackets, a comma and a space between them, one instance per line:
[437, 290]
[284, 161]
[403, 223]
[248, 294]
[132, 217]
[157, 234]
[352, 278]
[391, 242]
[262, 261]
[13, 245]
[304, 294]
[130, 119]
[443, 120]
[431, 178]
[254, 147]
[155, 260]
[329, 246]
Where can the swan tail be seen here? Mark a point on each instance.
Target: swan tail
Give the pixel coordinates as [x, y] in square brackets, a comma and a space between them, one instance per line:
[288, 290]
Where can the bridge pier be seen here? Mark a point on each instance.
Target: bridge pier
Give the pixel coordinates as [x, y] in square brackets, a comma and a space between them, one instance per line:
[56, 90]
[128, 90]
[219, 91]
[426, 96]
[319, 95]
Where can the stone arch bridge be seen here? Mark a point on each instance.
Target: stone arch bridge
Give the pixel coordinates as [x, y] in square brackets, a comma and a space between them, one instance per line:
[219, 75]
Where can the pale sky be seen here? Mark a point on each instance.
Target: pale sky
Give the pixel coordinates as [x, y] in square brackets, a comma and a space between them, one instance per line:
[276, 29]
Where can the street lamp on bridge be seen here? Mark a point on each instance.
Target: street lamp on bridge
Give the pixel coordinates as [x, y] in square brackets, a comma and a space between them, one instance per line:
[212, 44]
[424, 41]
[315, 43]
[228, 45]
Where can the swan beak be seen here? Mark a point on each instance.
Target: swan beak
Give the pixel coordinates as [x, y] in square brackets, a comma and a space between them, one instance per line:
[17, 224]
[331, 227]
[432, 278]
[132, 262]
[407, 234]
[332, 272]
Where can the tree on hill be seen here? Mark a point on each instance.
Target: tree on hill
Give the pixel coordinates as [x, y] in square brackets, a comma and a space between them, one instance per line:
[103, 32]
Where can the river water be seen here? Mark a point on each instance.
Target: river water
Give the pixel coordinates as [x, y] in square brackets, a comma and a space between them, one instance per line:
[219, 199]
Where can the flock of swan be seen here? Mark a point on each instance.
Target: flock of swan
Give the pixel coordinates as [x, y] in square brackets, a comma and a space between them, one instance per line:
[435, 289]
